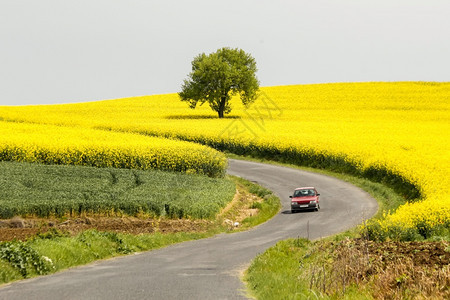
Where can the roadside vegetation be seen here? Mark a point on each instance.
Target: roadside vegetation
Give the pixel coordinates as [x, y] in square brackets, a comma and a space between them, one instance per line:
[32, 245]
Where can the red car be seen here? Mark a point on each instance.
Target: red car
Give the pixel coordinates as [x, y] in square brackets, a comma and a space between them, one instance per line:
[305, 198]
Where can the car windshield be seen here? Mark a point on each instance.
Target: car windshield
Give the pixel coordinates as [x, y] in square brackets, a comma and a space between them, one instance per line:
[304, 193]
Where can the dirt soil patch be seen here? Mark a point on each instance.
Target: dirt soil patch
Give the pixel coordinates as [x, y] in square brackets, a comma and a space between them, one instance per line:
[22, 229]
[420, 253]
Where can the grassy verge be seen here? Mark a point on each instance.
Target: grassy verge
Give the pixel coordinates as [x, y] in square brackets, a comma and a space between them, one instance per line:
[56, 250]
[260, 206]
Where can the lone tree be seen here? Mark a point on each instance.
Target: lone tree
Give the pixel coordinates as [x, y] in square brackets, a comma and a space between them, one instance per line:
[216, 77]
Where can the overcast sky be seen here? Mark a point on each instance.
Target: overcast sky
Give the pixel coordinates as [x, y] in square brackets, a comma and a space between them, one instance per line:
[55, 51]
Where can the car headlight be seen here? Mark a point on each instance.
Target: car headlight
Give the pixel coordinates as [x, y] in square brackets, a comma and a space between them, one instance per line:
[313, 202]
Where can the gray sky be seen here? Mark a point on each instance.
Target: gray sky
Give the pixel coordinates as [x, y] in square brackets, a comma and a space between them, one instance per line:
[55, 51]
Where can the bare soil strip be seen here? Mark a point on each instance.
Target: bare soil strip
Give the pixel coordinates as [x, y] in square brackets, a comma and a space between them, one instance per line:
[231, 216]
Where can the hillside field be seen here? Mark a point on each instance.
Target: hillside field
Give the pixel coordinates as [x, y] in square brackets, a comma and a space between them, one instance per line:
[396, 133]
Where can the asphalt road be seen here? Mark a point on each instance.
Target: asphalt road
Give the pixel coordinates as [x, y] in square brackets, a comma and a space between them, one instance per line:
[208, 268]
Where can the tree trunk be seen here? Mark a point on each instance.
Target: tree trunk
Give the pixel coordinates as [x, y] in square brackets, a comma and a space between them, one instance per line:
[222, 107]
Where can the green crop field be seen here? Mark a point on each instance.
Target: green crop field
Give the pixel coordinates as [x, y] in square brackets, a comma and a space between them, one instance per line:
[56, 190]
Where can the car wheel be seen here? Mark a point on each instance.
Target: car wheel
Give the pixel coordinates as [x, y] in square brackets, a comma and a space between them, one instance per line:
[292, 211]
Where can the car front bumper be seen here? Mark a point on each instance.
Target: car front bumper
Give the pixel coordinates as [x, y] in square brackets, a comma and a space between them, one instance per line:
[307, 206]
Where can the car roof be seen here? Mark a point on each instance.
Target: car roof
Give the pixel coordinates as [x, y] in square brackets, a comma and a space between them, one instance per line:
[306, 188]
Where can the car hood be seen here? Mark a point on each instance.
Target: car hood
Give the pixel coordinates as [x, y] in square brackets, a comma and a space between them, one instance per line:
[310, 198]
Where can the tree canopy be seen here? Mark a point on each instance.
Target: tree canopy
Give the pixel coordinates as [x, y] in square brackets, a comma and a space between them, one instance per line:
[216, 77]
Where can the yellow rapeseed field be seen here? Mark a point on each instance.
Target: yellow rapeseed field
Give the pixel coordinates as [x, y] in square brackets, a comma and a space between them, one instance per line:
[402, 128]
[51, 144]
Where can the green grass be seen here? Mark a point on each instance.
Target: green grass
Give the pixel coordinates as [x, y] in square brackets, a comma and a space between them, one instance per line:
[56, 190]
[8, 272]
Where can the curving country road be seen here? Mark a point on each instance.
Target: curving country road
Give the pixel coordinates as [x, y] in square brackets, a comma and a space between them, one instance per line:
[208, 268]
